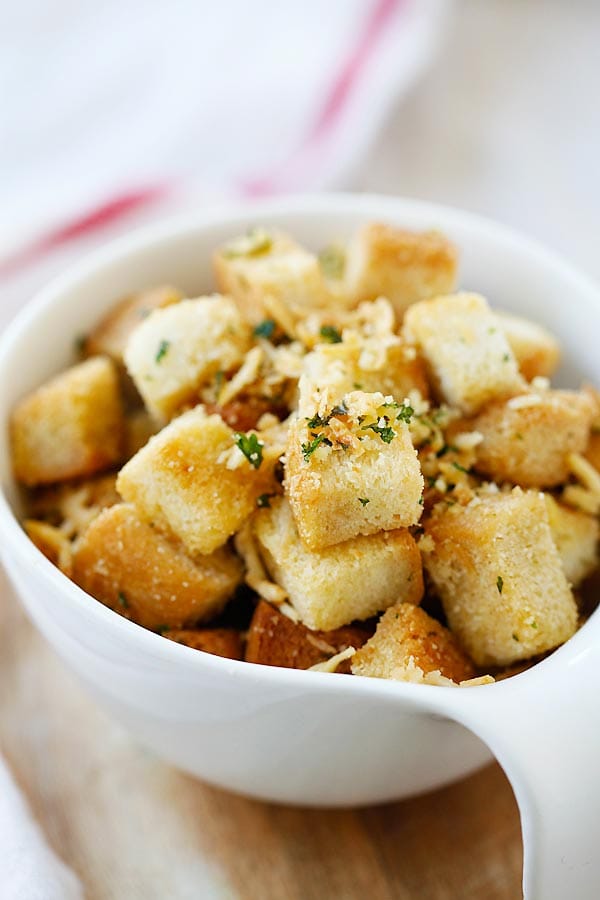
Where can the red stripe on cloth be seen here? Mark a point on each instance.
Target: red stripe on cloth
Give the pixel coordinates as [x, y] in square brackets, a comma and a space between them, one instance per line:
[337, 97]
[114, 209]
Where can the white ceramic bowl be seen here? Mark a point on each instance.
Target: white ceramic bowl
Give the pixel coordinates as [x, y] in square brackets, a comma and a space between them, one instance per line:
[303, 737]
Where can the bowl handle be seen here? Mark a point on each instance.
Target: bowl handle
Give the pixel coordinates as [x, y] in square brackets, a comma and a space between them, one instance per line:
[544, 729]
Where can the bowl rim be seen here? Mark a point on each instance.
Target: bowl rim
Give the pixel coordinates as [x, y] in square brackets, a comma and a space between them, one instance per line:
[170, 229]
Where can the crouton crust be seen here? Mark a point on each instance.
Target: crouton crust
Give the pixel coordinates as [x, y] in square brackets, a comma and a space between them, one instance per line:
[526, 440]
[225, 642]
[178, 349]
[343, 583]
[112, 332]
[536, 350]
[499, 575]
[370, 486]
[404, 632]
[181, 482]
[468, 356]
[69, 427]
[274, 640]
[404, 266]
[130, 567]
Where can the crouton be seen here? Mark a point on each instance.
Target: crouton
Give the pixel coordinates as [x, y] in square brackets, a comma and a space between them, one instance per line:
[468, 355]
[576, 537]
[345, 366]
[225, 642]
[128, 565]
[263, 271]
[499, 575]
[139, 428]
[177, 350]
[193, 482]
[112, 332]
[335, 586]
[51, 541]
[69, 427]
[404, 633]
[360, 457]
[526, 440]
[274, 640]
[536, 350]
[592, 451]
[404, 266]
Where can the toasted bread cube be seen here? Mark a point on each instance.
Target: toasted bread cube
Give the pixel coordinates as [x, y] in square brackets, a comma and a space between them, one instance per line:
[225, 642]
[128, 565]
[274, 640]
[404, 266]
[264, 265]
[69, 427]
[140, 426]
[51, 541]
[576, 537]
[341, 368]
[177, 350]
[362, 478]
[112, 332]
[193, 483]
[592, 451]
[333, 587]
[499, 575]
[527, 440]
[404, 633]
[536, 350]
[468, 355]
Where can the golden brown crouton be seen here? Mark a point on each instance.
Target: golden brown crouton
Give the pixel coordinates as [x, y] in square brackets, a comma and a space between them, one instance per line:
[592, 451]
[111, 334]
[404, 266]
[225, 642]
[193, 482]
[264, 270]
[70, 427]
[131, 567]
[139, 428]
[335, 586]
[274, 640]
[576, 537]
[352, 471]
[536, 350]
[52, 542]
[469, 358]
[499, 575]
[177, 350]
[527, 440]
[404, 633]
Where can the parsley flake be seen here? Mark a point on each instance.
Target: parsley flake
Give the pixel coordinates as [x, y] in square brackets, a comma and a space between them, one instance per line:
[255, 242]
[406, 413]
[309, 448]
[499, 583]
[122, 600]
[250, 446]
[163, 349]
[330, 334]
[364, 500]
[265, 329]
[332, 260]
[385, 432]
[460, 468]
[318, 421]
[264, 501]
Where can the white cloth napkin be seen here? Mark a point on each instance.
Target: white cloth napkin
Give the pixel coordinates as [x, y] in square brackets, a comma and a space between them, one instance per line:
[107, 107]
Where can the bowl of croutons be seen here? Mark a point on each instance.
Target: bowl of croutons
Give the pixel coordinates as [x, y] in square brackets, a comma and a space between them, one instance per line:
[307, 493]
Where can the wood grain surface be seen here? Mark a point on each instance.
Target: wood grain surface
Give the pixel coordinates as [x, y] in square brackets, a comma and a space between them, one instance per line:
[132, 827]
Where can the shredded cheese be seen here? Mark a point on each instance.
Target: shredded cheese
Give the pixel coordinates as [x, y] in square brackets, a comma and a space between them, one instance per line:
[331, 664]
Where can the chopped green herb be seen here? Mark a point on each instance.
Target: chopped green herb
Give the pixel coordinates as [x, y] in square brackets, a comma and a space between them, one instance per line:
[357, 386]
[160, 629]
[265, 328]
[460, 468]
[330, 334]
[420, 501]
[499, 583]
[250, 446]
[385, 432]
[447, 448]
[364, 500]
[534, 624]
[406, 413]
[340, 410]
[515, 637]
[264, 501]
[255, 242]
[332, 260]
[162, 351]
[309, 448]
[219, 379]
[506, 357]
[318, 421]
[123, 600]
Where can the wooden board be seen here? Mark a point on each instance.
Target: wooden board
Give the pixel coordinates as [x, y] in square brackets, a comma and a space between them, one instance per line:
[134, 828]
